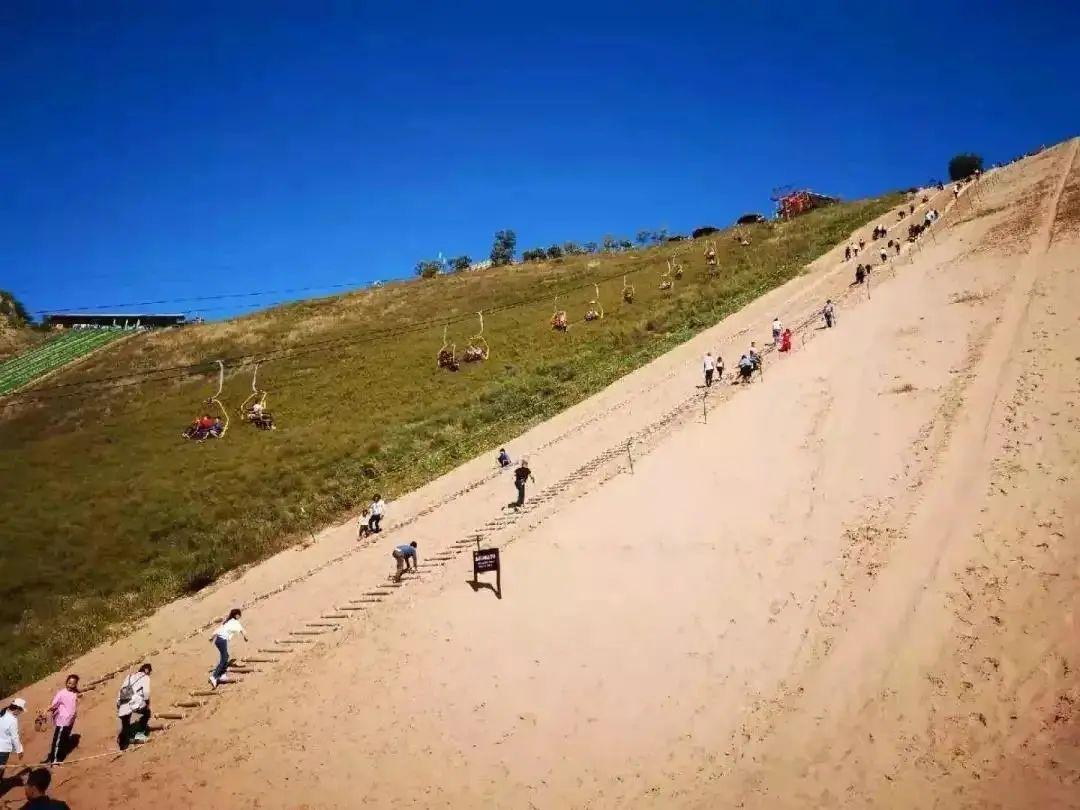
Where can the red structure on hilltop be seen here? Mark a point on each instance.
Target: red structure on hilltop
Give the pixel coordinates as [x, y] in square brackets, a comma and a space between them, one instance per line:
[791, 203]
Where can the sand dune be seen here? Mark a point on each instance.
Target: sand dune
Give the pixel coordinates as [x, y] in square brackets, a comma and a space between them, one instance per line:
[849, 584]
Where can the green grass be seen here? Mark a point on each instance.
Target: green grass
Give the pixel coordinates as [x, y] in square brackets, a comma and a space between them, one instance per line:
[109, 514]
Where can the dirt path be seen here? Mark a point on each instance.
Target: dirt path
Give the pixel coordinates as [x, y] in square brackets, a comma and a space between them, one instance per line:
[781, 606]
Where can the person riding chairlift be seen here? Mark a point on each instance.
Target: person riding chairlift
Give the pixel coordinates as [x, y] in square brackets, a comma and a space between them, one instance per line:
[199, 428]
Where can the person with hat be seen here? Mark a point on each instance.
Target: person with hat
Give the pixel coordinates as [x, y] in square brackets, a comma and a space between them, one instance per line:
[133, 707]
[9, 733]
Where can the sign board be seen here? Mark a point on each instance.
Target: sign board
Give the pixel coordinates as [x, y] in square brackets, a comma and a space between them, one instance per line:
[485, 560]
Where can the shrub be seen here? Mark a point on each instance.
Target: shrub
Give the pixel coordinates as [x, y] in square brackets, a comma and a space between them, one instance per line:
[13, 308]
[704, 230]
[964, 165]
[428, 269]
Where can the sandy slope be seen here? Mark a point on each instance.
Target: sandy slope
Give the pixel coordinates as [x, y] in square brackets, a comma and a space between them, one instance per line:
[851, 585]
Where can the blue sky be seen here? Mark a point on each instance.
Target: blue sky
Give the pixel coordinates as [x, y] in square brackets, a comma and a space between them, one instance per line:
[157, 150]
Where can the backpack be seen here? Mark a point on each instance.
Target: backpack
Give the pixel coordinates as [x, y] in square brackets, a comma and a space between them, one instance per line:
[127, 691]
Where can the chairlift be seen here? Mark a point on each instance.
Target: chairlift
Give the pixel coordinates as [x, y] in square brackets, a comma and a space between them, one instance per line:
[447, 356]
[596, 309]
[200, 432]
[478, 349]
[558, 318]
[666, 282]
[253, 409]
[710, 253]
[627, 291]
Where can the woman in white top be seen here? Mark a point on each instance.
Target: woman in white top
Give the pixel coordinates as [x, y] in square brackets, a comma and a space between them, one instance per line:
[9, 733]
[229, 628]
[133, 707]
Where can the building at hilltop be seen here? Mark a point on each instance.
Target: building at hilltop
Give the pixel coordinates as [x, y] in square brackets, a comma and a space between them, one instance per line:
[143, 320]
[793, 203]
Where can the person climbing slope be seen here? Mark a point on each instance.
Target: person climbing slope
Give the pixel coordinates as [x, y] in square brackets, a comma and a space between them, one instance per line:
[403, 555]
[522, 475]
[828, 313]
[378, 509]
[133, 707]
[746, 368]
[710, 367]
[10, 743]
[63, 710]
[221, 638]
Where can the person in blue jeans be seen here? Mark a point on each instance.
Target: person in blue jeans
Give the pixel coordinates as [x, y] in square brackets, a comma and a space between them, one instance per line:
[229, 628]
[402, 556]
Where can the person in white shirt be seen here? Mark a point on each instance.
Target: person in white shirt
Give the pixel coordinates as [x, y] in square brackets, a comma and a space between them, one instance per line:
[9, 733]
[363, 528]
[378, 508]
[829, 312]
[133, 707]
[229, 628]
[777, 329]
[710, 368]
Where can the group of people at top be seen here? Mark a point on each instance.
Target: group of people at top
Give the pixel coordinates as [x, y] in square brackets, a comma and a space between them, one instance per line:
[205, 427]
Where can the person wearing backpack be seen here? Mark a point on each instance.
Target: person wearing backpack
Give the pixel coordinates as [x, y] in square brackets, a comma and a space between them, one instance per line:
[133, 707]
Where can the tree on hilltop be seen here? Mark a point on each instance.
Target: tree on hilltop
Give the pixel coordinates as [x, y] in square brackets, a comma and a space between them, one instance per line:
[502, 249]
[13, 309]
[428, 268]
[459, 263]
[964, 165]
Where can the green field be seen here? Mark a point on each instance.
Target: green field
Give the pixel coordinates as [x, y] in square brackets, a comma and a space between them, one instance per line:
[108, 513]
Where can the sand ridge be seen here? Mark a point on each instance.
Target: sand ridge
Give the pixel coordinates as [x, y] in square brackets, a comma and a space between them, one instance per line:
[674, 636]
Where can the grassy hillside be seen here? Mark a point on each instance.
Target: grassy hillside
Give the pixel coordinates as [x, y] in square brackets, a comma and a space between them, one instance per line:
[108, 513]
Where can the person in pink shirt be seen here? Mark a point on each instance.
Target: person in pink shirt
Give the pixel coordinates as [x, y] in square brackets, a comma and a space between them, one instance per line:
[63, 709]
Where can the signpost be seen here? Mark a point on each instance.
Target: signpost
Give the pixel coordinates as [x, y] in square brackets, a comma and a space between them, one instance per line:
[486, 560]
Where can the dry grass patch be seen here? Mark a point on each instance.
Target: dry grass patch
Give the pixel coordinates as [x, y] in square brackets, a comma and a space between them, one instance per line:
[969, 297]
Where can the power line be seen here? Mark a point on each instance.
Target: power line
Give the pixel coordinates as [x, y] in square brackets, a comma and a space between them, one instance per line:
[205, 367]
[198, 298]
